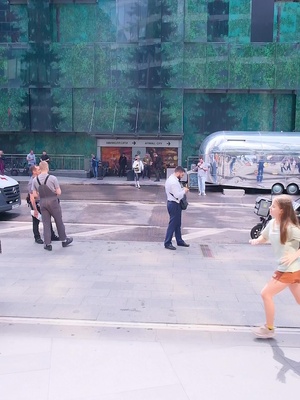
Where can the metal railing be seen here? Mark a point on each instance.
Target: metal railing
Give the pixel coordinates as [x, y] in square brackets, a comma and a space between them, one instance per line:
[17, 163]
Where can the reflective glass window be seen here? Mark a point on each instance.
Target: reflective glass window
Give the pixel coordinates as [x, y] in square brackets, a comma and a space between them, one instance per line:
[217, 20]
[149, 65]
[172, 65]
[39, 26]
[195, 21]
[127, 20]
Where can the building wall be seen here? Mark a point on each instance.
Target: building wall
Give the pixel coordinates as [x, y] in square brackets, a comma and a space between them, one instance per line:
[72, 70]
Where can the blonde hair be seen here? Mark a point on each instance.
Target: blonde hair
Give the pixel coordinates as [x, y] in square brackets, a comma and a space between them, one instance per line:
[44, 166]
[288, 215]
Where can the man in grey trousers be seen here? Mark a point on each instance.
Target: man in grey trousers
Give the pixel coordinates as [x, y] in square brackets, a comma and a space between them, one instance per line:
[47, 188]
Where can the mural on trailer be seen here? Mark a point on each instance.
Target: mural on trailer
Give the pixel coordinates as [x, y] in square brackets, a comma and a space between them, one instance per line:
[160, 68]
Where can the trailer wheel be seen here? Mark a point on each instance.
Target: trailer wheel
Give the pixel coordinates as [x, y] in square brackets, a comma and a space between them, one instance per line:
[292, 188]
[255, 231]
[277, 188]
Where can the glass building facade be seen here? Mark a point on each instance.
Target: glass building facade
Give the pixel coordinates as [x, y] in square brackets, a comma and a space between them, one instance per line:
[75, 71]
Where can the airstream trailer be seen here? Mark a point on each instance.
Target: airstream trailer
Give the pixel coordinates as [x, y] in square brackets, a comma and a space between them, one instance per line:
[265, 160]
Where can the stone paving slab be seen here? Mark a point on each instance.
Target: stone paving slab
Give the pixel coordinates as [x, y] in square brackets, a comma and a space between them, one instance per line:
[54, 361]
[133, 281]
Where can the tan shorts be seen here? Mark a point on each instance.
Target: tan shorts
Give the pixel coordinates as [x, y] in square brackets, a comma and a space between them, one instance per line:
[287, 277]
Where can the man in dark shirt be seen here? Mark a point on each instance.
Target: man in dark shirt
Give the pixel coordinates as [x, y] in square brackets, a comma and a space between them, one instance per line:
[157, 165]
[122, 165]
[45, 157]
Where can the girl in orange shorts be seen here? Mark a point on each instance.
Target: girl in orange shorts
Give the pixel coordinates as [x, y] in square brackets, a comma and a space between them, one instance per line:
[283, 232]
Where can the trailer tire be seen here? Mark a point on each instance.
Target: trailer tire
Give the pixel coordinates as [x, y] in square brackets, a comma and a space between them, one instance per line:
[277, 188]
[292, 188]
[255, 231]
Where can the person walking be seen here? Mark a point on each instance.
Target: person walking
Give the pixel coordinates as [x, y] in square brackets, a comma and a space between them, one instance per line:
[201, 169]
[47, 188]
[175, 192]
[283, 232]
[34, 204]
[138, 168]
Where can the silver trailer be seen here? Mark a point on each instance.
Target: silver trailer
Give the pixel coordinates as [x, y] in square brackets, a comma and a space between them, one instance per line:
[265, 160]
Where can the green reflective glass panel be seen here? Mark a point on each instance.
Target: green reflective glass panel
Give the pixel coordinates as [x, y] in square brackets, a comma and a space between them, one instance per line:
[239, 25]
[13, 23]
[62, 109]
[286, 22]
[3, 66]
[240, 66]
[172, 21]
[194, 65]
[76, 65]
[263, 66]
[103, 65]
[74, 23]
[217, 20]
[217, 65]
[172, 65]
[124, 68]
[172, 106]
[288, 66]
[195, 21]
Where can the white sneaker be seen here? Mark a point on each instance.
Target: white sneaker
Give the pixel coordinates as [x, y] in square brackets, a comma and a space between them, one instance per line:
[263, 332]
[199, 194]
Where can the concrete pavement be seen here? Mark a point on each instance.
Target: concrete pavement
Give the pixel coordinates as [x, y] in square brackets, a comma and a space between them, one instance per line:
[127, 320]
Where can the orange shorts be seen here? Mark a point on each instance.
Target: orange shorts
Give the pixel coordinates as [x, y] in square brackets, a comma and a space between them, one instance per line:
[287, 277]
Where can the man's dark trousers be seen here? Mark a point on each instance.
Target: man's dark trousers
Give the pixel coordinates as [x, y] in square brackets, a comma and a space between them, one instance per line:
[174, 211]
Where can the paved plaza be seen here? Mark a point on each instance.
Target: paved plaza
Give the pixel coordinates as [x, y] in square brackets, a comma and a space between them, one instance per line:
[114, 319]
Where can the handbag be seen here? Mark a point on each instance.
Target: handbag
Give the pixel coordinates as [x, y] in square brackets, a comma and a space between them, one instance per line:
[184, 203]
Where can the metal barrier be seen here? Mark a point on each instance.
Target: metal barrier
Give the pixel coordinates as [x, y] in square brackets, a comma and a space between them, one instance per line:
[16, 164]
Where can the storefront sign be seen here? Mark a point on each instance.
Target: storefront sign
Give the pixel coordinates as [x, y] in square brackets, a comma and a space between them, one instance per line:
[138, 143]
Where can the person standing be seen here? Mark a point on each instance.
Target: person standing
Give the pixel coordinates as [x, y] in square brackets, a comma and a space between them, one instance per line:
[175, 193]
[45, 157]
[47, 188]
[283, 232]
[147, 166]
[94, 165]
[260, 170]
[122, 165]
[137, 167]
[2, 163]
[157, 165]
[201, 169]
[31, 161]
[35, 207]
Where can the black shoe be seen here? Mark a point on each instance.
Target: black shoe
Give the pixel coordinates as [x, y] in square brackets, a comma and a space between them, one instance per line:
[157, 180]
[170, 247]
[39, 241]
[48, 247]
[54, 238]
[66, 243]
[183, 244]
